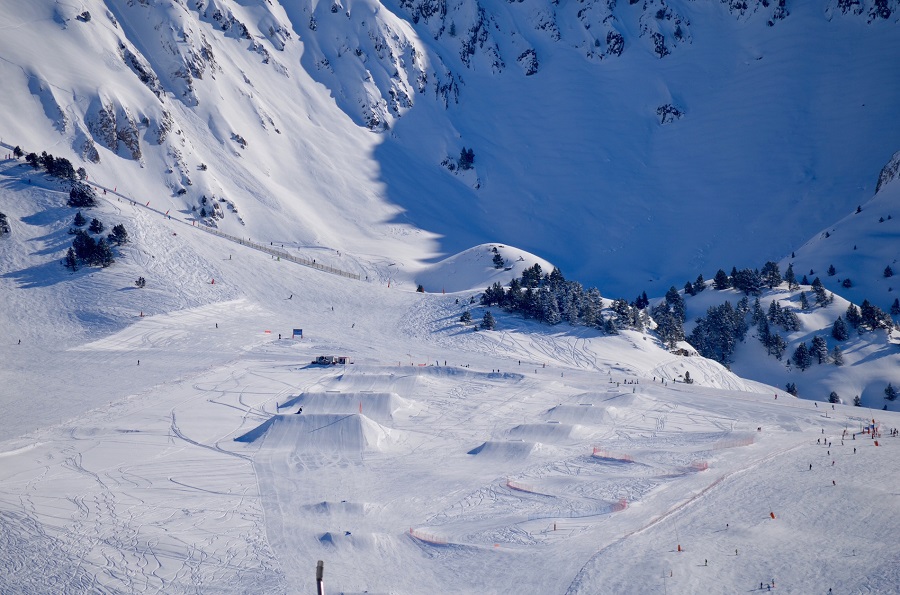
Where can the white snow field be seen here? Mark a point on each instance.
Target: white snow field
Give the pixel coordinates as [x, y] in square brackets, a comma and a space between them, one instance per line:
[529, 459]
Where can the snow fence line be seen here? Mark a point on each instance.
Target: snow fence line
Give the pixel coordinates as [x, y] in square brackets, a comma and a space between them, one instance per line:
[523, 487]
[427, 537]
[601, 453]
[237, 240]
[279, 253]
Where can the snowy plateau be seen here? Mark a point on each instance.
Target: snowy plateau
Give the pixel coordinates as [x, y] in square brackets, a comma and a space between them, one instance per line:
[352, 178]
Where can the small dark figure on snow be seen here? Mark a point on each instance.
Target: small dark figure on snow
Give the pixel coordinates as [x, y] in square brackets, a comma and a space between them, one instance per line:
[299, 411]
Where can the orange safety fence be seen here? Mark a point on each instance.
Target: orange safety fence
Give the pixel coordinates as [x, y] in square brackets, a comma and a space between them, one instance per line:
[601, 453]
[427, 537]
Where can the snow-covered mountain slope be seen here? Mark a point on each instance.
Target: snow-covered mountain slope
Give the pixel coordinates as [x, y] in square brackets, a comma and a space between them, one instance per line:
[196, 279]
[863, 247]
[869, 359]
[164, 452]
[632, 144]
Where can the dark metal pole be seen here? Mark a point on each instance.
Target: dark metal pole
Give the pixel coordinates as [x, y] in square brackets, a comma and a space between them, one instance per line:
[320, 571]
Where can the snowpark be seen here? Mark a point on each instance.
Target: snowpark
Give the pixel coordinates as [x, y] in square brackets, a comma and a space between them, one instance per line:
[163, 452]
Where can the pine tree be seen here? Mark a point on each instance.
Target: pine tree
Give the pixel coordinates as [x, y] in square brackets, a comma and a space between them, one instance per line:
[890, 393]
[873, 317]
[790, 277]
[857, 402]
[466, 317]
[549, 308]
[771, 275]
[488, 322]
[804, 303]
[96, 226]
[802, 357]
[758, 313]
[699, 284]
[498, 261]
[84, 246]
[888, 271]
[791, 389]
[778, 346]
[831, 270]
[141, 282]
[788, 320]
[819, 349]
[721, 280]
[839, 330]
[466, 159]
[687, 378]
[819, 290]
[837, 356]
[17, 152]
[71, 261]
[81, 195]
[804, 281]
[748, 281]
[118, 236]
[774, 314]
[689, 288]
[79, 220]
[853, 316]
[834, 398]
[895, 307]
[103, 254]
[675, 303]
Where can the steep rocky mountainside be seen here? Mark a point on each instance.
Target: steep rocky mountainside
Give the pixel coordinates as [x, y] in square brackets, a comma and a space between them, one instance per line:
[619, 127]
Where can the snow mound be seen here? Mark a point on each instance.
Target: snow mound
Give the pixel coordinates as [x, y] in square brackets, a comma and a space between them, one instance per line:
[547, 432]
[319, 433]
[371, 404]
[582, 414]
[474, 269]
[506, 450]
[329, 508]
[345, 539]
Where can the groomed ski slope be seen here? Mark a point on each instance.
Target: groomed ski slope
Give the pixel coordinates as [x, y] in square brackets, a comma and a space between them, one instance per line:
[441, 460]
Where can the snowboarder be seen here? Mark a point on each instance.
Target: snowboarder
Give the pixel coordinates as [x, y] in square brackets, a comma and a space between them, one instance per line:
[20, 341]
[291, 296]
[810, 466]
[139, 362]
[299, 411]
[217, 325]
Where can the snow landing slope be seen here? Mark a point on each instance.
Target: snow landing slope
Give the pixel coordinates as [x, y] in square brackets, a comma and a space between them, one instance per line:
[634, 145]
